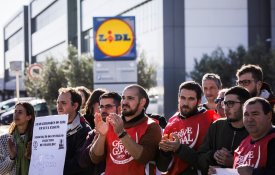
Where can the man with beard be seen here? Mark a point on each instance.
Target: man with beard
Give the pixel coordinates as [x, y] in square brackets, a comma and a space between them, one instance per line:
[225, 134]
[130, 141]
[211, 84]
[251, 77]
[109, 102]
[185, 131]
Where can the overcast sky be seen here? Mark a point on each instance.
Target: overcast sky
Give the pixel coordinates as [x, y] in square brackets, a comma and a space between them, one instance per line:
[8, 9]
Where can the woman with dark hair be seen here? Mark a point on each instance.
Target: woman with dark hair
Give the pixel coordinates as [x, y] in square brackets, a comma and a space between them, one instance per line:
[85, 95]
[15, 147]
[92, 106]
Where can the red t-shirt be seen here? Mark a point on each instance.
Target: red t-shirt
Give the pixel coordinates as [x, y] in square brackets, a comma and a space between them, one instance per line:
[252, 154]
[191, 132]
[119, 161]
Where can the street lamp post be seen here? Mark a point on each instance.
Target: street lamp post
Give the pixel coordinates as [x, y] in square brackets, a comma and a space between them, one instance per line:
[16, 66]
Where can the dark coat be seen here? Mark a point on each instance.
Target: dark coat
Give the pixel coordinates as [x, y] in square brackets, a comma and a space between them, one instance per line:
[74, 144]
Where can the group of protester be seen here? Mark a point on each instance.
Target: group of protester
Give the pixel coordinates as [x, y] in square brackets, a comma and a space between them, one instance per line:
[112, 134]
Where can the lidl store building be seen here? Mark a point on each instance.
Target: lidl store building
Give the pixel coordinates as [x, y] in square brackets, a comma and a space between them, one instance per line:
[172, 33]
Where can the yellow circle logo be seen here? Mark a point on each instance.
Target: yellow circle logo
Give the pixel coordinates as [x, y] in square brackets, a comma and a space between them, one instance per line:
[114, 37]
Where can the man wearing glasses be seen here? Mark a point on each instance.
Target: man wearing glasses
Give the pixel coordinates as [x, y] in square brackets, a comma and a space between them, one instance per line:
[225, 134]
[251, 77]
[109, 102]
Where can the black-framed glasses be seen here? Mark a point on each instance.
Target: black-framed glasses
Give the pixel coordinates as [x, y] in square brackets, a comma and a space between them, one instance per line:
[218, 100]
[244, 82]
[108, 106]
[230, 103]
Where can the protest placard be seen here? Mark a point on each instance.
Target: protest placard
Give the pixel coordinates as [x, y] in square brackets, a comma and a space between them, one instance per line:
[49, 145]
[226, 171]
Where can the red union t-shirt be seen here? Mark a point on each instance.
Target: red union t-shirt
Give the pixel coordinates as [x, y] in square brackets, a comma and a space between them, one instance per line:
[191, 131]
[252, 154]
[119, 161]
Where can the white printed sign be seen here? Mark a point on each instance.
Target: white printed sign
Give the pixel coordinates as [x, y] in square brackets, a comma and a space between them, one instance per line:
[226, 171]
[49, 145]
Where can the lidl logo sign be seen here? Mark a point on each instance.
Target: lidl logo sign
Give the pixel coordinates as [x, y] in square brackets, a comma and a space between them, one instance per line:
[114, 38]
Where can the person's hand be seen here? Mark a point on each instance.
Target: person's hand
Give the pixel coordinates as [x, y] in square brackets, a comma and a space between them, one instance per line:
[101, 126]
[11, 149]
[117, 123]
[245, 170]
[224, 157]
[169, 144]
[212, 170]
[28, 151]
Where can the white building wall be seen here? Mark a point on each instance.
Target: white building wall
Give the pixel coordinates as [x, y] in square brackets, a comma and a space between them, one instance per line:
[15, 54]
[50, 35]
[14, 35]
[96, 8]
[39, 5]
[14, 25]
[214, 23]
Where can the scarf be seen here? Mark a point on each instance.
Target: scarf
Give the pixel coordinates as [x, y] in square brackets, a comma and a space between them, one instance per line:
[22, 163]
[74, 126]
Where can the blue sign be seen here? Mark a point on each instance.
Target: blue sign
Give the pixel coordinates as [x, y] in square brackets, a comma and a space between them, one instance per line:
[114, 38]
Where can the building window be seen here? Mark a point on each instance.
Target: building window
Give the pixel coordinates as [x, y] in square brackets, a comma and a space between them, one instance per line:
[86, 38]
[14, 40]
[51, 13]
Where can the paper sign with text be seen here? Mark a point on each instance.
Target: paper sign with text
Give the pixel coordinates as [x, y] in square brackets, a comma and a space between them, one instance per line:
[48, 145]
[226, 171]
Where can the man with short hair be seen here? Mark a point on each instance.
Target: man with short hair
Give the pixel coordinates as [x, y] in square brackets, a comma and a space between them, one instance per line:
[109, 102]
[130, 141]
[251, 77]
[69, 102]
[184, 132]
[256, 153]
[211, 84]
[225, 134]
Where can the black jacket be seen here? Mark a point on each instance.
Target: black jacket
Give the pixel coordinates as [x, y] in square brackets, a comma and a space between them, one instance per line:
[74, 144]
[220, 135]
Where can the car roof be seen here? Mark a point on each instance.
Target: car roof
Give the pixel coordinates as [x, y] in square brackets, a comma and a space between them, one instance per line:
[15, 100]
[37, 101]
[32, 102]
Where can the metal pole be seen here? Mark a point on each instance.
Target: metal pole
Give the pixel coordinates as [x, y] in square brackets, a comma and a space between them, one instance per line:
[17, 85]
